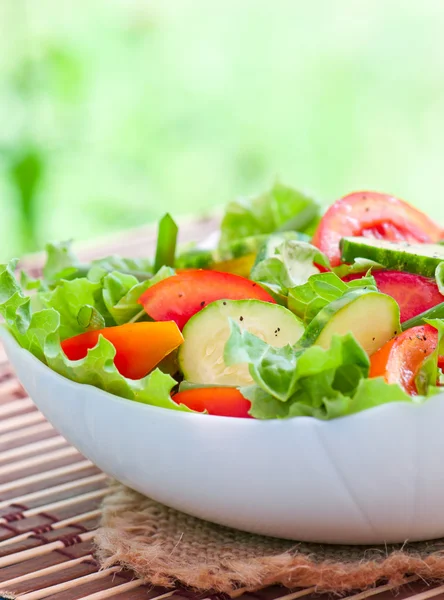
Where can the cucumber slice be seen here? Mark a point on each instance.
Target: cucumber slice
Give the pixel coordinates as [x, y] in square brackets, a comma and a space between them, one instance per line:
[201, 356]
[372, 317]
[421, 259]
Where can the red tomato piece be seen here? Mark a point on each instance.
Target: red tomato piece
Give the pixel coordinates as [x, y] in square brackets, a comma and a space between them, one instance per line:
[414, 293]
[400, 359]
[139, 346]
[223, 401]
[181, 296]
[373, 215]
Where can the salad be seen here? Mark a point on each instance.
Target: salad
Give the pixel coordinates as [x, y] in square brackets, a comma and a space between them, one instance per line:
[293, 312]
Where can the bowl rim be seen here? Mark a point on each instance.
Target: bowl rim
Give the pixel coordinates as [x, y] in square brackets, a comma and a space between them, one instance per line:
[379, 411]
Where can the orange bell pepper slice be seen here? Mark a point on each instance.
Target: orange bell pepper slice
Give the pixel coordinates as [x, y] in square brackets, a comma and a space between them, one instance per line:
[139, 346]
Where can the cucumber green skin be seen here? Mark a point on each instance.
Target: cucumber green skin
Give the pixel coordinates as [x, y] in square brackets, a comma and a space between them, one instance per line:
[269, 246]
[396, 259]
[327, 314]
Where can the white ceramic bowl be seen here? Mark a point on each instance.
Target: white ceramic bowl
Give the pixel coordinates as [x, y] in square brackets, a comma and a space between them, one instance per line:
[370, 478]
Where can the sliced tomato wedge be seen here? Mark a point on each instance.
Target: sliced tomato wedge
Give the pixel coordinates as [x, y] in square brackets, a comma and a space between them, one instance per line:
[223, 401]
[181, 296]
[414, 293]
[400, 359]
[375, 215]
[139, 346]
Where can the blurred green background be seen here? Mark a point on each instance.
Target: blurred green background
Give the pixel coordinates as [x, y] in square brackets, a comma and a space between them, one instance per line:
[114, 111]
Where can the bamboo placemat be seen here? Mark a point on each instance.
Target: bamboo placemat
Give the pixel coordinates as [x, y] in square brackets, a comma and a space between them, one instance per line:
[50, 499]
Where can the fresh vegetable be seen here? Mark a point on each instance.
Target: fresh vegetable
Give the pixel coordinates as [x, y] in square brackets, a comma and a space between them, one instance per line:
[280, 209]
[178, 298]
[422, 259]
[413, 293]
[238, 266]
[372, 215]
[308, 299]
[292, 264]
[271, 243]
[372, 317]
[139, 346]
[312, 382]
[63, 264]
[121, 294]
[221, 401]
[400, 360]
[201, 356]
[437, 312]
[38, 332]
[236, 257]
[273, 326]
[166, 243]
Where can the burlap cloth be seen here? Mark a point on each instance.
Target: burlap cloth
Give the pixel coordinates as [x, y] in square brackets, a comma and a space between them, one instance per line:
[166, 547]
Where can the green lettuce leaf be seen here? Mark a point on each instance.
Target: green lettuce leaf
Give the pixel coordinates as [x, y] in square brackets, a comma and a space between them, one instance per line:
[29, 283]
[439, 276]
[359, 265]
[429, 372]
[122, 301]
[90, 319]
[281, 208]
[292, 265]
[115, 286]
[68, 298]
[292, 381]
[308, 299]
[374, 392]
[61, 262]
[290, 374]
[141, 268]
[98, 369]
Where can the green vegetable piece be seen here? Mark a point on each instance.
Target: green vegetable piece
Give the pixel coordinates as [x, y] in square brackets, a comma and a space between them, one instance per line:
[308, 299]
[436, 312]
[201, 356]
[67, 299]
[166, 243]
[281, 208]
[61, 262]
[125, 308]
[292, 265]
[293, 381]
[89, 318]
[372, 318]
[428, 373]
[422, 259]
[439, 277]
[374, 392]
